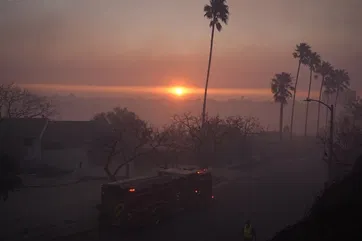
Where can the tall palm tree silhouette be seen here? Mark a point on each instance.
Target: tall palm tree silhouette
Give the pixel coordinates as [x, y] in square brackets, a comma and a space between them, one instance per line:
[324, 70]
[282, 87]
[341, 80]
[301, 53]
[314, 60]
[217, 12]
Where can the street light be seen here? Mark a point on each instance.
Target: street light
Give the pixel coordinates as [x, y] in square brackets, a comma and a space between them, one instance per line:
[331, 132]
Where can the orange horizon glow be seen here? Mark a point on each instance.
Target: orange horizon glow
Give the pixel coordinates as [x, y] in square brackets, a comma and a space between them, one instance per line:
[177, 91]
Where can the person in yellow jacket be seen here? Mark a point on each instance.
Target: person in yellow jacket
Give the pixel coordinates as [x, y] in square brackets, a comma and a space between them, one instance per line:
[249, 232]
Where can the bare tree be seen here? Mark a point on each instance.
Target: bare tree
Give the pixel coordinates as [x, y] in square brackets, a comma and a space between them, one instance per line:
[218, 134]
[184, 135]
[128, 138]
[247, 125]
[354, 111]
[21, 103]
[348, 142]
[348, 137]
[186, 128]
[239, 138]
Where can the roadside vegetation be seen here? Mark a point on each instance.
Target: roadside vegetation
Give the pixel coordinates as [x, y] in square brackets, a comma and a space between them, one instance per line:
[334, 214]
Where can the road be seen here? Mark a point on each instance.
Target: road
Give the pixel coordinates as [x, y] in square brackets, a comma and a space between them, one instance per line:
[272, 197]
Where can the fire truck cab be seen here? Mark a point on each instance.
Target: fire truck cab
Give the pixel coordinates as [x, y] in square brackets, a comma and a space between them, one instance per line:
[138, 202]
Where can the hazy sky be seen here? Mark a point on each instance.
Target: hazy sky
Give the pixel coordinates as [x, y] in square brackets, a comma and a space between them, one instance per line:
[161, 42]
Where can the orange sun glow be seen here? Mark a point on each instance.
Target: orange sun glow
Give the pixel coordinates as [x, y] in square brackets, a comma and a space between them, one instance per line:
[178, 91]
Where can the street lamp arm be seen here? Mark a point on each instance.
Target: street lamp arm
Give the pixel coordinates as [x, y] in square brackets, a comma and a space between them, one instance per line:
[331, 131]
[318, 101]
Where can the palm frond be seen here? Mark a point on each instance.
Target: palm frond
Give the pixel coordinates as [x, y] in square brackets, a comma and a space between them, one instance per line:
[217, 11]
[282, 87]
[218, 26]
[208, 11]
[324, 69]
[341, 79]
[314, 61]
[301, 52]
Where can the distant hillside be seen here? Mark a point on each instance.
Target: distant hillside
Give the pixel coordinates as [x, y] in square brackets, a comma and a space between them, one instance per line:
[159, 111]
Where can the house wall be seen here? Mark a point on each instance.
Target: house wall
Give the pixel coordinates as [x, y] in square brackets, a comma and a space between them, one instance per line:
[37, 151]
[65, 158]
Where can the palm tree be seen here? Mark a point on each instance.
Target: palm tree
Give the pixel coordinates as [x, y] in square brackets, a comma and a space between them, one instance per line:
[216, 11]
[301, 53]
[324, 70]
[342, 79]
[282, 87]
[314, 61]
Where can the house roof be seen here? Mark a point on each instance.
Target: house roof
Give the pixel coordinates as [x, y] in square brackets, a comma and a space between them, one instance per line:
[73, 133]
[21, 127]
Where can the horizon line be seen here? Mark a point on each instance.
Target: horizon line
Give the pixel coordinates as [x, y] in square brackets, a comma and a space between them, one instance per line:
[159, 90]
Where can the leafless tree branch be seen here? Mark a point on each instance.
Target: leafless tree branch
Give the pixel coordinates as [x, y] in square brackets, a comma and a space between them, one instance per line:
[20, 103]
[129, 138]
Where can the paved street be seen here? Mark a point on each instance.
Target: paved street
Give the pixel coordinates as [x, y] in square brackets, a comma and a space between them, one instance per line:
[272, 197]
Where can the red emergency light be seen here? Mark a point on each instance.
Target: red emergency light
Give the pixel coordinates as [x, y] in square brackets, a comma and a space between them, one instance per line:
[202, 171]
[132, 190]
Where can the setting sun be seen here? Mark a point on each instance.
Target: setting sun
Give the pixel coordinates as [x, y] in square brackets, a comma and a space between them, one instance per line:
[178, 91]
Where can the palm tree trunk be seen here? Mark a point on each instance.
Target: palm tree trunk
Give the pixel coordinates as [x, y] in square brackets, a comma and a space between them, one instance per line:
[326, 123]
[327, 111]
[281, 120]
[293, 104]
[319, 104]
[208, 74]
[307, 108]
[336, 101]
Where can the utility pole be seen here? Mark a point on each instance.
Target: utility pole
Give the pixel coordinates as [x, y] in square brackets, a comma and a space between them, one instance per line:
[331, 139]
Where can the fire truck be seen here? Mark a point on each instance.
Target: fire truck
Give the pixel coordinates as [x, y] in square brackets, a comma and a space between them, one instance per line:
[196, 189]
[145, 201]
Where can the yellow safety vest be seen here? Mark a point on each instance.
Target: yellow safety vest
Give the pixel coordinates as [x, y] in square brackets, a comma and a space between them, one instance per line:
[248, 232]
